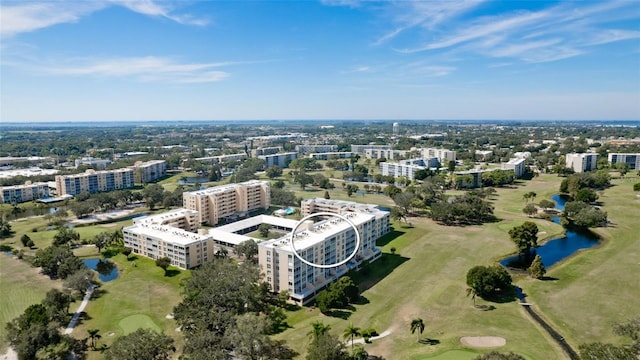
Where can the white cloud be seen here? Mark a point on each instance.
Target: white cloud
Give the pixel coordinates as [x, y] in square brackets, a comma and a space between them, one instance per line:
[21, 17]
[146, 69]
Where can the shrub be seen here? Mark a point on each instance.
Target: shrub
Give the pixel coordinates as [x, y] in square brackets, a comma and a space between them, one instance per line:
[636, 187]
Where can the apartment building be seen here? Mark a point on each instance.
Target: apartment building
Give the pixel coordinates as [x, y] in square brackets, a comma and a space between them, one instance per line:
[515, 164]
[282, 160]
[172, 235]
[91, 161]
[360, 149]
[228, 201]
[633, 160]
[22, 193]
[223, 158]
[324, 242]
[384, 153]
[265, 151]
[331, 155]
[305, 149]
[581, 162]
[150, 171]
[93, 181]
[402, 169]
[443, 154]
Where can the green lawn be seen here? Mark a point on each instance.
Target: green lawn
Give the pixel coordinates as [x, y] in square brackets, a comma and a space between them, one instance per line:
[426, 279]
[140, 297]
[15, 297]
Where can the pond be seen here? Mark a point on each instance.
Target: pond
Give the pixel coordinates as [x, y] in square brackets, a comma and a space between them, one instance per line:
[106, 270]
[192, 180]
[558, 249]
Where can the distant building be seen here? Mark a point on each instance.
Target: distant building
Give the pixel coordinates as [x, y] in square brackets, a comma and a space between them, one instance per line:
[633, 160]
[331, 155]
[173, 235]
[99, 164]
[265, 151]
[223, 158]
[305, 149]
[360, 149]
[12, 160]
[384, 154]
[23, 193]
[400, 169]
[228, 201]
[581, 162]
[515, 164]
[150, 171]
[323, 242]
[131, 154]
[396, 128]
[94, 181]
[443, 154]
[282, 160]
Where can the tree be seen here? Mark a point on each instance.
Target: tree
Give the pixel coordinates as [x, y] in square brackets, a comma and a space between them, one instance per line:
[5, 228]
[472, 292]
[102, 240]
[586, 195]
[153, 194]
[57, 303]
[404, 201]
[163, 263]
[250, 339]
[93, 336]
[273, 172]
[264, 229]
[525, 237]
[318, 328]
[495, 355]
[351, 189]
[326, 195]
[326, 347]
[417, 325]
[547, 204]
[57, 261]
[391, 190]
[126, 251]
[537, 270]
[451, 166]
[351, 332]
[65, 236]
[600, 351]
[530, 209]
[636, 186]
[79, 281]
[248, 249]
[486, 280]
[142, 344]
[25, 240]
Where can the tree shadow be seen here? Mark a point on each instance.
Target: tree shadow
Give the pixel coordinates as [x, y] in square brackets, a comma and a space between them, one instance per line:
[171, 272]
[485, 307]
[502, 296]
[361, 300]
[428, 341]
[373, 272]
[549, 278]
[388, 237]
[98, 293]
[337, 313]
[132, 258]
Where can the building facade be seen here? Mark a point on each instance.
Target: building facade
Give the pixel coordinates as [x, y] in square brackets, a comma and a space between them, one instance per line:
[360, 149]
[100, 164]
[331, 155]
[223, 158]
[398, 169]
[581, 162]
[515, 164]
[633, 160]
[325, 242]
[282, 160]
[150, 171]
[305, 149]
[172, 235]
[443, 154]
[23, 193]
[265, 151]
[94, 181]
[228, 201]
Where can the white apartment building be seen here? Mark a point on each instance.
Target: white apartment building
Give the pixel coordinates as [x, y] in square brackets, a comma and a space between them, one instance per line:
[360, 149]
[581, 162]
[633, 160]
[265, 151]
[304, 149]
[325, 242]
[384, 153]
[407, 168]
[171, 235]
[23, 193]
[223, 158]
[331, 155]
[443, 154]
[282, 160]
[93, 181]
[515, 164]
[228, 201]
[98, 163]
[150, 171]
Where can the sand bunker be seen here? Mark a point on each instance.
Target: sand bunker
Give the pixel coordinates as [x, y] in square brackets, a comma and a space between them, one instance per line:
[483, 341]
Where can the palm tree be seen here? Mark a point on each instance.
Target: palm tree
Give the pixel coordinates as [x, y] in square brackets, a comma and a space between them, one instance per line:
[473, 293]
[350, 332]
[417, 324]
[93, 335]
[319, 329]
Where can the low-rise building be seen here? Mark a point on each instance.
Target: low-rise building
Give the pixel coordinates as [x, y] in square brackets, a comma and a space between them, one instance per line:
[282, 160]
[172, 235]
[326, 242]
[23, 193]
[407, 168]
[93, 181]
[228, 201]
[581, 162]
[265, 151]
[331, 155]
[223, 158]
[360, 149]
[385, 154]
[443, 154]
[633, 160]
[305, 149]
[100, 164]
[515, 164]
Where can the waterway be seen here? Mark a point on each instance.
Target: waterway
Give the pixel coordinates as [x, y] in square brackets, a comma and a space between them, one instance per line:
[106, 269]
[556, 250]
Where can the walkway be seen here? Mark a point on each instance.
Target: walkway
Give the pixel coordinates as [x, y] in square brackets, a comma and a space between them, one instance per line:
[383, 334]
[76, 315]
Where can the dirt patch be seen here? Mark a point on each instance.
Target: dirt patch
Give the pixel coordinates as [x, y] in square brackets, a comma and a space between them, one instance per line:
[483, 341]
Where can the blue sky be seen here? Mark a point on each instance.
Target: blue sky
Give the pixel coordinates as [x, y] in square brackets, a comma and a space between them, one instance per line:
[334, 59]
